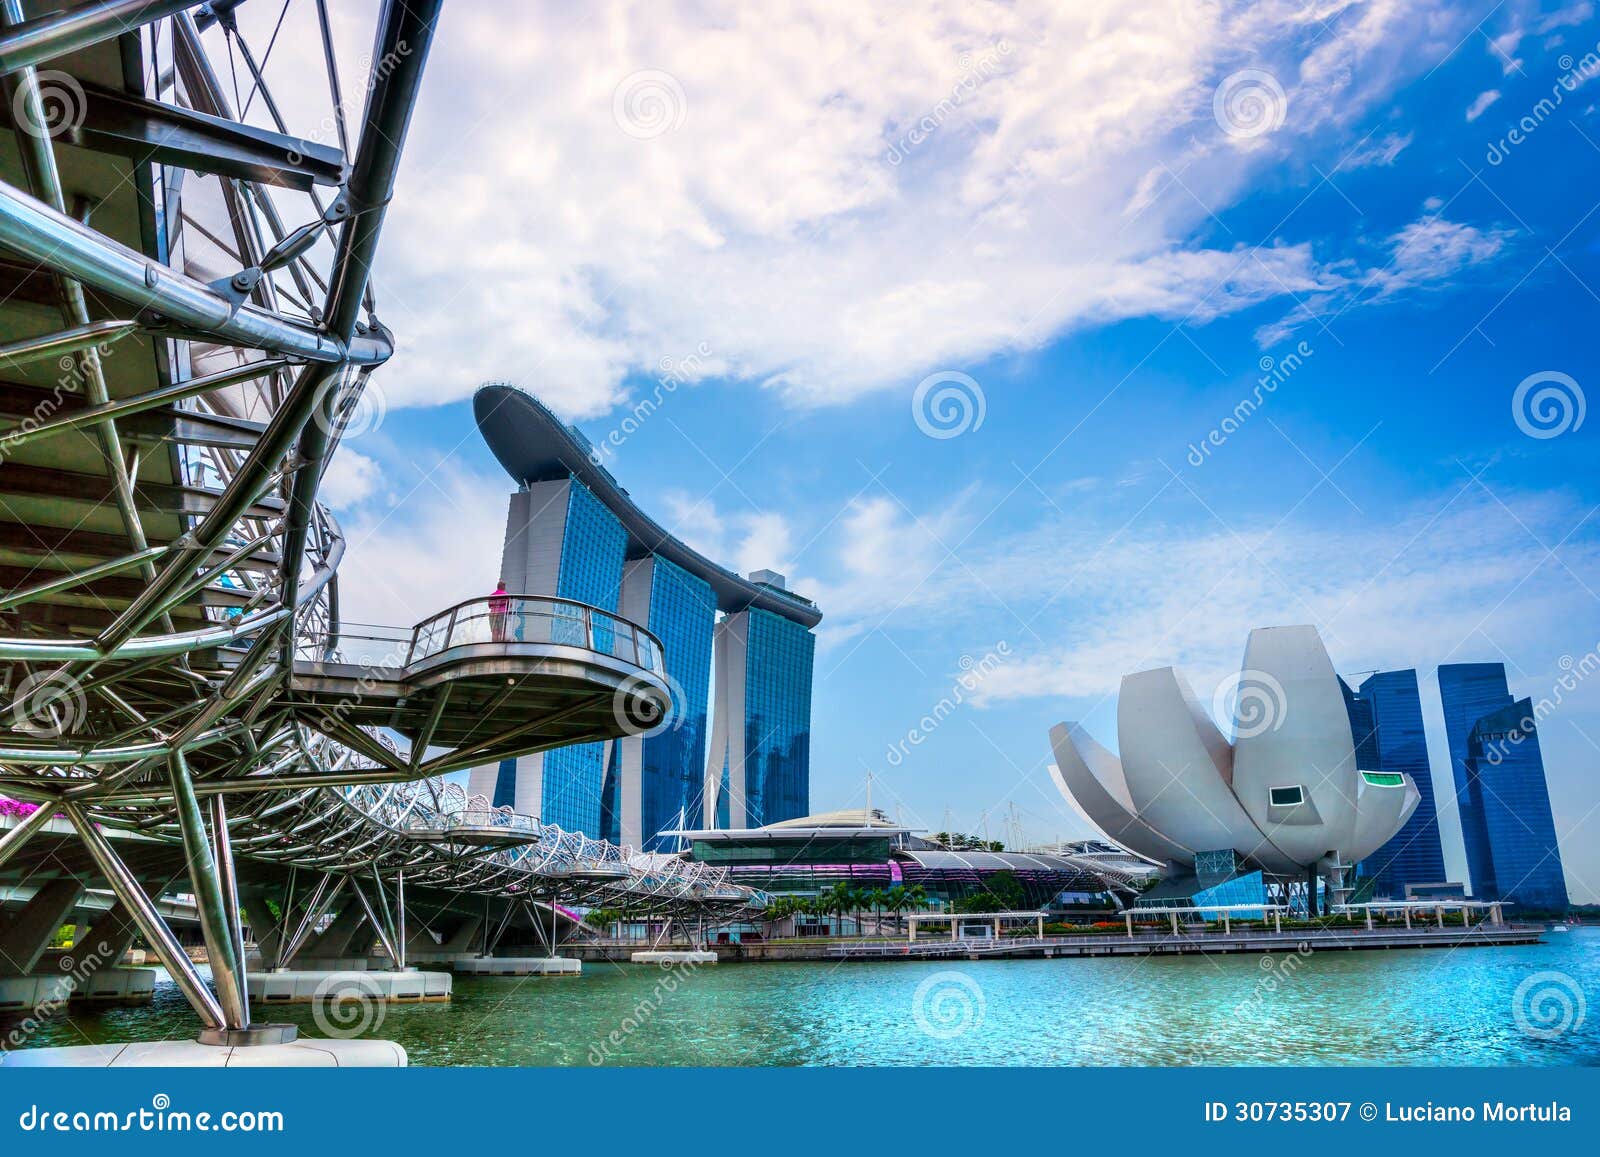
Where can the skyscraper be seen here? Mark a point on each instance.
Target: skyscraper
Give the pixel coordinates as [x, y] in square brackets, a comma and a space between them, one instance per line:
[758, 772]
[658, 778]
[1468, 692]
[1398, 743]
[1507, 774]
[572, 532]
[560, 540]
[1506, 822]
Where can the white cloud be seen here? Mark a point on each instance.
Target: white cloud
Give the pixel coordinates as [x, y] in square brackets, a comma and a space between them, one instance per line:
[848, 196]
[1480, 103]
[394, 570]
[1427, 253]
[742, 541]
[351, 477]
[1380, 151]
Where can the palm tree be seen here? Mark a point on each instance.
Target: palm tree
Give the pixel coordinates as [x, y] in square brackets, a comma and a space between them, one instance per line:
[894, 900]
[875, 904]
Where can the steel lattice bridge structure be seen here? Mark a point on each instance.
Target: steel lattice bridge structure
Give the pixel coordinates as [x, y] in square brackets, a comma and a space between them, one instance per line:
[187, 324]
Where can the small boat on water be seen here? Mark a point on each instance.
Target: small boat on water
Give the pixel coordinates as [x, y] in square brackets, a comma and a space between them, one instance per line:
[1559, 926]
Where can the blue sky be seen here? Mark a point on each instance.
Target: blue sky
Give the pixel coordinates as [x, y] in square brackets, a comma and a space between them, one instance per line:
[1106, 221]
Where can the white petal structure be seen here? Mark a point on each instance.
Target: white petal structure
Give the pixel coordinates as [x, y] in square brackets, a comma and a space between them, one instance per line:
[1294, 757]
[1091, 779]
[1285, 794]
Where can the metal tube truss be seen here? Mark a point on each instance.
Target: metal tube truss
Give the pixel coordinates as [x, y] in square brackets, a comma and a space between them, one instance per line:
[150, 658]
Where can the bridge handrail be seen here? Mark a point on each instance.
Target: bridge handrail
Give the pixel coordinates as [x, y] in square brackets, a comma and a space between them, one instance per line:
[535, 619]
[500, 619]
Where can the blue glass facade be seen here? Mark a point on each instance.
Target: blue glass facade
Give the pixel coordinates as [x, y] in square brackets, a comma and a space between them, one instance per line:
[1392, 708]
[777, 738]
[1506, 771]
[575, 787]
[1468, 692]
[1250, 888]
[683, 612]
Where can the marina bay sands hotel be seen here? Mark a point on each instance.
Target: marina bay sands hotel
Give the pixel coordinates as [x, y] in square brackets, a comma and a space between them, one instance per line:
[740, 761]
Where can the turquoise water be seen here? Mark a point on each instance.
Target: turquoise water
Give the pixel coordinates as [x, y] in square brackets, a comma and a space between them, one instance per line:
[1429, 1007]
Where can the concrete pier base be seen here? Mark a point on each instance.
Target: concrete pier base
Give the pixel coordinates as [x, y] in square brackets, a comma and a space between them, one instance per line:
[116, 986]
[519, 966]
[29, 993]
[674, 956]
[299, 1054]
[306, 987]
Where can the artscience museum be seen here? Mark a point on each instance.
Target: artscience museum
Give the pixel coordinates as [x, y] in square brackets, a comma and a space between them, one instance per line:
[1287, 806]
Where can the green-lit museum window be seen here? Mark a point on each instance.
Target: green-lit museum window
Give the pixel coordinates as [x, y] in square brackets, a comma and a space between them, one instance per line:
[1287, 797]
[1383, 778]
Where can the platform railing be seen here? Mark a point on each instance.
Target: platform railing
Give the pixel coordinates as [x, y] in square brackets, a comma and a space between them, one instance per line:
[493, 619]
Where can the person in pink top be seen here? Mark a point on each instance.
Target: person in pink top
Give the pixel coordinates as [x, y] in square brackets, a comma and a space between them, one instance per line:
[499, 604]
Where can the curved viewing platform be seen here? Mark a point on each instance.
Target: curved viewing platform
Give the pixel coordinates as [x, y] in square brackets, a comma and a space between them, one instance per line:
[489, 678]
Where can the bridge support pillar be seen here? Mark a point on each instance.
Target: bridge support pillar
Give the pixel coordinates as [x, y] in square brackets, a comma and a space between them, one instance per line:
[26, 937]
[465, 936]
[268, 932]
[109, 937]
[335, 941]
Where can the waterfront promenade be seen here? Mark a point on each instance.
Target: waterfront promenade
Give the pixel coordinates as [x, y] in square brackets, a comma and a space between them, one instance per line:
[1077, 945]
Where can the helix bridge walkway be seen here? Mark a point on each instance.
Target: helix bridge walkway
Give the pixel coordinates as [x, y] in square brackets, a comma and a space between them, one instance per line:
[188, 330]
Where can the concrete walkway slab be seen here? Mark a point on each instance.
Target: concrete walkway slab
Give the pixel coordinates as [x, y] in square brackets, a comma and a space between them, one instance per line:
[304, 987]
[674, 956]
[520, 966]
[300, 1054]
